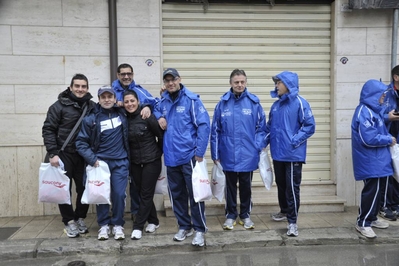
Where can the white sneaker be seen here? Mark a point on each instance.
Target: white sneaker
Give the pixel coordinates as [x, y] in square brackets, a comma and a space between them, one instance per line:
[118, 233]
[247, 223]
[229, 224]
[366, 231]
[136, 234]
[379, 224]
[71, 229]
[182, 234]
[292, 230]
[82, 227]
[103, 232]
[151, 228]
[198, 239]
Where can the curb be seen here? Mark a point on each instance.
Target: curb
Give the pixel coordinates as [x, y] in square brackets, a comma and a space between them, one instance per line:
[215, 241]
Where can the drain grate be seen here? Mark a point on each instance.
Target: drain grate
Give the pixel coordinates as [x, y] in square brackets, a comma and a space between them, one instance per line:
[6, 232]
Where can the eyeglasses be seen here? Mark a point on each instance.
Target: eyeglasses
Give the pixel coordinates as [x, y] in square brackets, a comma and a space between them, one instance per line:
[129, 74]
[166, 81]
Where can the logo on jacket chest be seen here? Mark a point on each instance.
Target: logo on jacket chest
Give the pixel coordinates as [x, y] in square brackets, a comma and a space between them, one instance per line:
[226, 112]
[246, 111]
[110, 123]
[180, 109]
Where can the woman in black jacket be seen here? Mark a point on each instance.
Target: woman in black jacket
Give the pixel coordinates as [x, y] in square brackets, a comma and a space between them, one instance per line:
[145, 146]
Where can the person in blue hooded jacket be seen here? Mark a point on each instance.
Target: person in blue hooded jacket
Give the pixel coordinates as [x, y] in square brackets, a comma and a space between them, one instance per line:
[291, 123]
[370, 154]
[389, 206]
[125, 82]
[186, 123]
[237, 138]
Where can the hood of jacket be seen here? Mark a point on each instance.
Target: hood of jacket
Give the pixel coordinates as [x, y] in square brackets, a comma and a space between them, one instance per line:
[371, 94]
[290, 80]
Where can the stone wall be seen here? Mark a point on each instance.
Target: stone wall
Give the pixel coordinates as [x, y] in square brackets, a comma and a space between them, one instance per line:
[43, 44]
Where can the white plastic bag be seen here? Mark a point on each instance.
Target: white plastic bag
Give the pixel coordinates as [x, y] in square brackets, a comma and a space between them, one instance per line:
[98, 185]
[201, 186]
[395, 161]
[162, 183]
[218, 183]
[265, 169]
[53, 185]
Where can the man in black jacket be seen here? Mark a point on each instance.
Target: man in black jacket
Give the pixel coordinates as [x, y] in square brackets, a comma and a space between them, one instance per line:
[61, 118]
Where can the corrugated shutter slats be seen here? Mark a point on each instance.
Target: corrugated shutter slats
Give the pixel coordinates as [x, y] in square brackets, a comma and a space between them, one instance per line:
[262, 40]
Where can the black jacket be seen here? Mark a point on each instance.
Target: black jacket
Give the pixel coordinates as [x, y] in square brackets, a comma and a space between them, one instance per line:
[143, 144]
[61, 118]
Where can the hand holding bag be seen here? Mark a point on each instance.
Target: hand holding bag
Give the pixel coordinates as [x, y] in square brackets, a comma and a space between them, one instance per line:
[395, 161]
[201, 186]
[98, 185]
[265, 169]
[218, 183]
[53, 185]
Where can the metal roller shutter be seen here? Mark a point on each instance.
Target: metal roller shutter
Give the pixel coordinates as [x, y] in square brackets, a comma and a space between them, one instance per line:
[262, 40]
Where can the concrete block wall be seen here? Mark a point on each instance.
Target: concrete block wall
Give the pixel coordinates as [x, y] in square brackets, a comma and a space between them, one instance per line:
[363, 37]
[44, 43]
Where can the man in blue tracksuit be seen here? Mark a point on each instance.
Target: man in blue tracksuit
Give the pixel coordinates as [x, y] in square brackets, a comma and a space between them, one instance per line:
[389, 207]
[126, 82]
[370, 154]
[290, 124]
[104, 136]
[186, 124]
[237, 137]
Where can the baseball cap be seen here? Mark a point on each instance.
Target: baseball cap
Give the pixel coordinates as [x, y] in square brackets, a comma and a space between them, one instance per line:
[171, 71]
[106, 89]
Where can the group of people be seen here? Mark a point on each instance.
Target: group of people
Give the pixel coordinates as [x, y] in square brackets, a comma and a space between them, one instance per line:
[375, 127]
[130, 130]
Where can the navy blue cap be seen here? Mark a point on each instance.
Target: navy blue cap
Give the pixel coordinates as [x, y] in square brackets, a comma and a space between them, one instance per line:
[171, 71]
[106, 89]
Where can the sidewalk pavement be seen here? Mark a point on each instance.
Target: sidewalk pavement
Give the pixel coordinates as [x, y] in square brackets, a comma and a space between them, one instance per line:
[42, 236]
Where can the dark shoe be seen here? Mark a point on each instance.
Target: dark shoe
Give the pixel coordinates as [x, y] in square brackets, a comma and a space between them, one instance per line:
[387, 214]
[395, 211]
[278, 217]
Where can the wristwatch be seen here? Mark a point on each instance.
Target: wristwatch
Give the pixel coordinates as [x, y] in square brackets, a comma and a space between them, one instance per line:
[52, 155]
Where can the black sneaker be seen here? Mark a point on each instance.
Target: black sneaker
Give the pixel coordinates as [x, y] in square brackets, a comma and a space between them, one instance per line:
[395, 211]
[387, 214]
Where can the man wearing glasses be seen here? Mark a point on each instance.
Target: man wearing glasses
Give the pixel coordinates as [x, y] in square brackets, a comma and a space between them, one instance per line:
[187, 126]
[126, 82]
